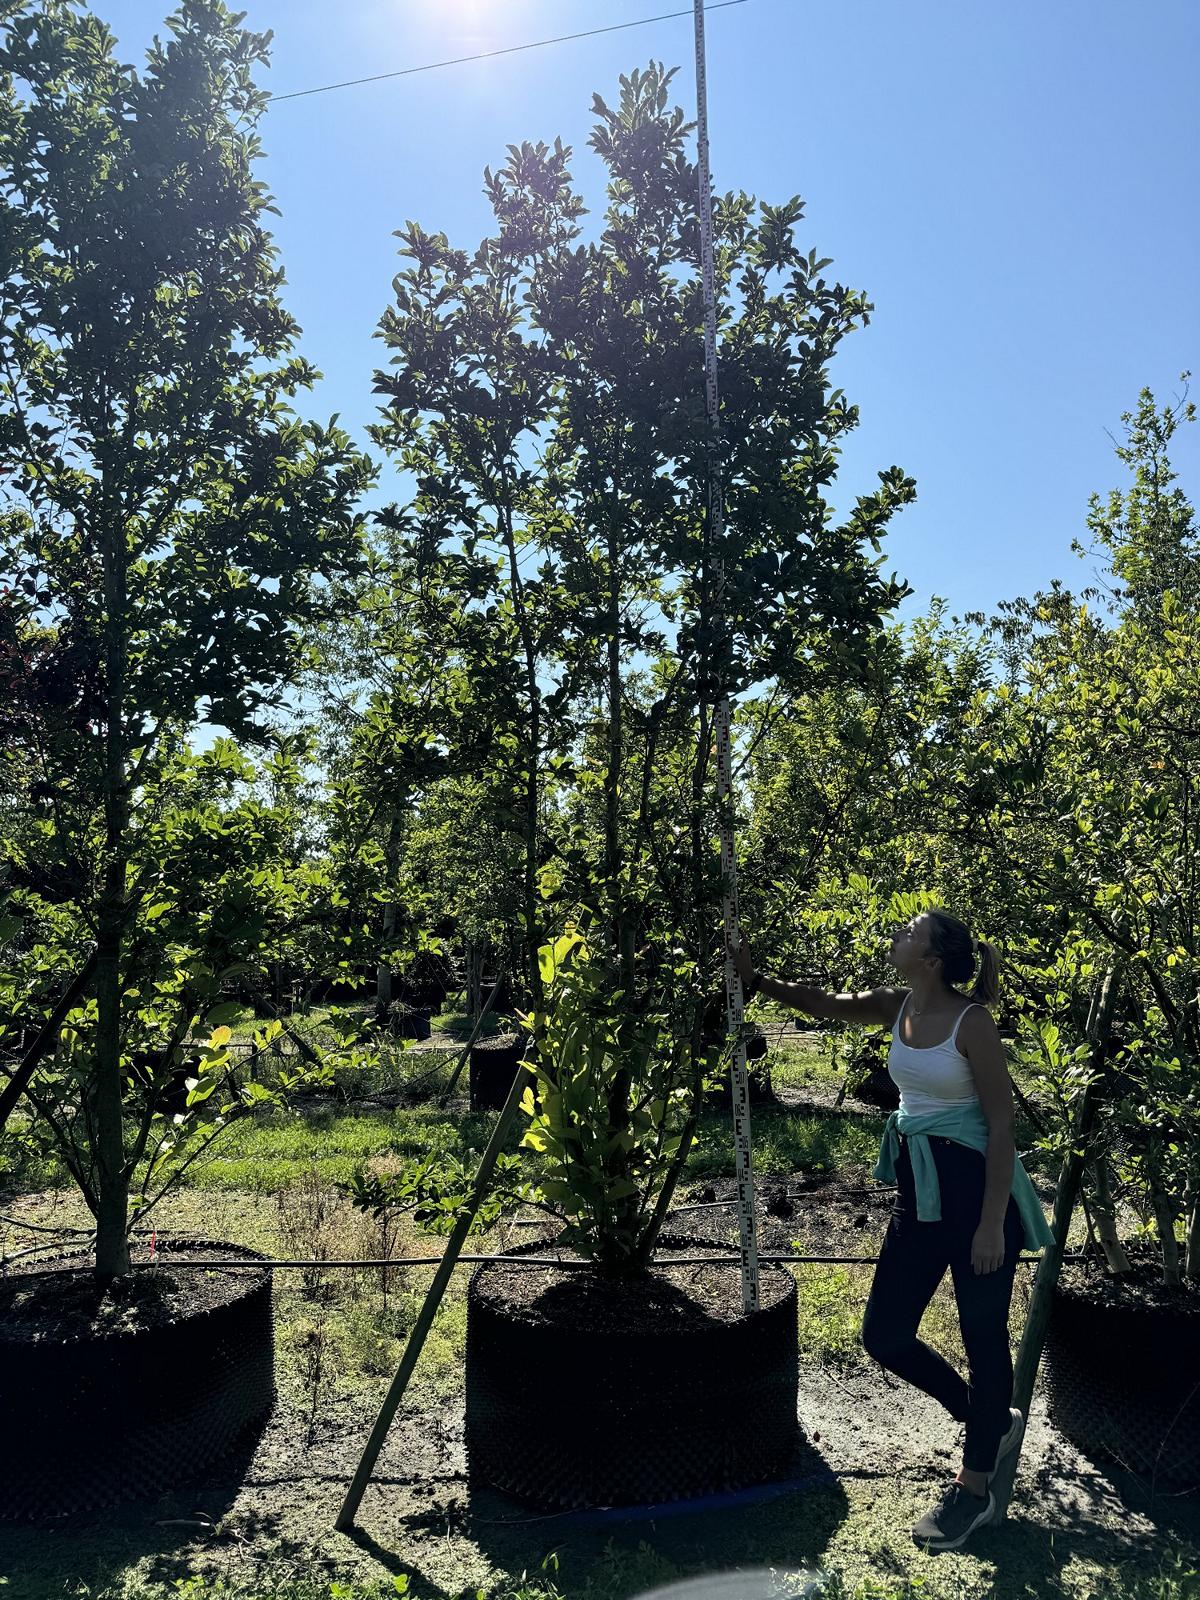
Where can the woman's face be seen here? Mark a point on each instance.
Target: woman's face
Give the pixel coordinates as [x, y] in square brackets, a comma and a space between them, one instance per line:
[910, 944]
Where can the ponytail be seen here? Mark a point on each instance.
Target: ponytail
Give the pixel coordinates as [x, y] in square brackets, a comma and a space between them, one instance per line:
[959, 951]
[986, 988]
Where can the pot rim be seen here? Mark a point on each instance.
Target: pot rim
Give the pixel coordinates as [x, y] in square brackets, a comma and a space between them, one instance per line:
[247, 1285]
[680, 1241]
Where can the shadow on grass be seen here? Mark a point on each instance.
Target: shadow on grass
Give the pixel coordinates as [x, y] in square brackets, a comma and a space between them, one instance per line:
[1084, 1525]
[88, 1553]
[1105, 1483]
[627, 1550]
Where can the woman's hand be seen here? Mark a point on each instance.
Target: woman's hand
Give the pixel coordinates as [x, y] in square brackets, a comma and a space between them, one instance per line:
[742, 961]
[987, 1247]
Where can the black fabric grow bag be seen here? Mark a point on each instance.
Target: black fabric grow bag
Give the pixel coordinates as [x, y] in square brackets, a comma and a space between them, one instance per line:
[569, 1417]
[759, 1089]
[1123, 1382]
[92, 1422]
[407, 1023]
[878, 1088]
[492, 1068]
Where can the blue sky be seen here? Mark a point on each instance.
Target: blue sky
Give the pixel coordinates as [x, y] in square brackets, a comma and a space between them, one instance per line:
[1013, 183]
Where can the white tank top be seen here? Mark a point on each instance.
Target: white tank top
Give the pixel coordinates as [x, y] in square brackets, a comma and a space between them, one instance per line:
[929, 1079]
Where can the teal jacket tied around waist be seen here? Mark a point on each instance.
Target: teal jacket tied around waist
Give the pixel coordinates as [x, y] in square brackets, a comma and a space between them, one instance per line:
[965, 1124]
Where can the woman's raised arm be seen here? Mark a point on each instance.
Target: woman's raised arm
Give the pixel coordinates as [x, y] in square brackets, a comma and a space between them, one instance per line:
[878, 1006]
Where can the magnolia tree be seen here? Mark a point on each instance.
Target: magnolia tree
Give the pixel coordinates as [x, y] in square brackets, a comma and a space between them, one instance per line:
[168, 531]
[547, 393]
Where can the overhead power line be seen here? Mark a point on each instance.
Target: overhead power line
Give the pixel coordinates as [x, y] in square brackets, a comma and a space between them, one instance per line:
[507, 50]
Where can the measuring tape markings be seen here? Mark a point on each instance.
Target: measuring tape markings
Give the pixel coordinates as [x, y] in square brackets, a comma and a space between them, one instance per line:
[747, 1224]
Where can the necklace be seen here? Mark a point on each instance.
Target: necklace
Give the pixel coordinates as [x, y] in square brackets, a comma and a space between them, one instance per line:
[913, 1012]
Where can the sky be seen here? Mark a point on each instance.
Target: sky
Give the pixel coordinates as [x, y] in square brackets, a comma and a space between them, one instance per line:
[1013, 184]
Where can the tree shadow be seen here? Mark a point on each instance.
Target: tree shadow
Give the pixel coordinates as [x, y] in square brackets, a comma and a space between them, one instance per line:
[1092, 1481]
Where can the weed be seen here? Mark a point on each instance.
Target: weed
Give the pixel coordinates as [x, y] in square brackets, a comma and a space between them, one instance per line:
[831, 1301]
[307, 1215]
[310, 1345]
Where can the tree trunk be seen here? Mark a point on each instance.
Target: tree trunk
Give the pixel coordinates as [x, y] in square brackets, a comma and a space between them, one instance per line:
[531, 900]
[1165, 1213]
[475, 974]
[383, 968]
[622, 941]
[1193, 1237]
[1104, 1213]
[112, 1188]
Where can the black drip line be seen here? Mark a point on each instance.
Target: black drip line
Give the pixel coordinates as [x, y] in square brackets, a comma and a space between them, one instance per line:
[483, 1260]
[732, 1258]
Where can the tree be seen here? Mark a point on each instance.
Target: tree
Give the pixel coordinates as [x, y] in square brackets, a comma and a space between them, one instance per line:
[1102, 840]
[547, 392]
[170, 524]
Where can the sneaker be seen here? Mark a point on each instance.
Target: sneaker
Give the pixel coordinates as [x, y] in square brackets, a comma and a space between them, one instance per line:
[1010, 1441]
[954, 1519]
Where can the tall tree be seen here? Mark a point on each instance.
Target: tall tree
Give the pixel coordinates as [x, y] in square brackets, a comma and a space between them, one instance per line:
[547, 392]
[1089, 783]
[170, 517]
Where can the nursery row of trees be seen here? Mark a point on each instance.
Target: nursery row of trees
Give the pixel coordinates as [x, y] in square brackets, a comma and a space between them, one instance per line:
[508, 675]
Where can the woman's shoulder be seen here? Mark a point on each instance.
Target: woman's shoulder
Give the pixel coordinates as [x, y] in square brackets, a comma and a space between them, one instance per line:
[891, 1003]
[976, 1021]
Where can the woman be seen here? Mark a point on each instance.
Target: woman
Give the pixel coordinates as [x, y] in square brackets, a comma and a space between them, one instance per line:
[963, 1200]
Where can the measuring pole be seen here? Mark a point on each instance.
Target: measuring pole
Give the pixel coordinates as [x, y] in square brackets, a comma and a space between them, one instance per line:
[716, 528]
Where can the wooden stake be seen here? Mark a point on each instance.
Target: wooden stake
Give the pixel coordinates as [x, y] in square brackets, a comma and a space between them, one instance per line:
[416, 1339]
[1029, 1354]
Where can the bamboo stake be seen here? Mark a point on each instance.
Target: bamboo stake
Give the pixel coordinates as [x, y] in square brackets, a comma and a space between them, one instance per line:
[1033, 1339]
[416, 1339]
[734, 999]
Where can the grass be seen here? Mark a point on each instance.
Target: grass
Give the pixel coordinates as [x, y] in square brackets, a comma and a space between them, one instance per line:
[269, 1153]
[286, 1585]
[1173, 1580]
[830, 1301]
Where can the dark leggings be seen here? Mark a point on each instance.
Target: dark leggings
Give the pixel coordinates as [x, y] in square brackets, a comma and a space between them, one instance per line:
[912, 1263]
